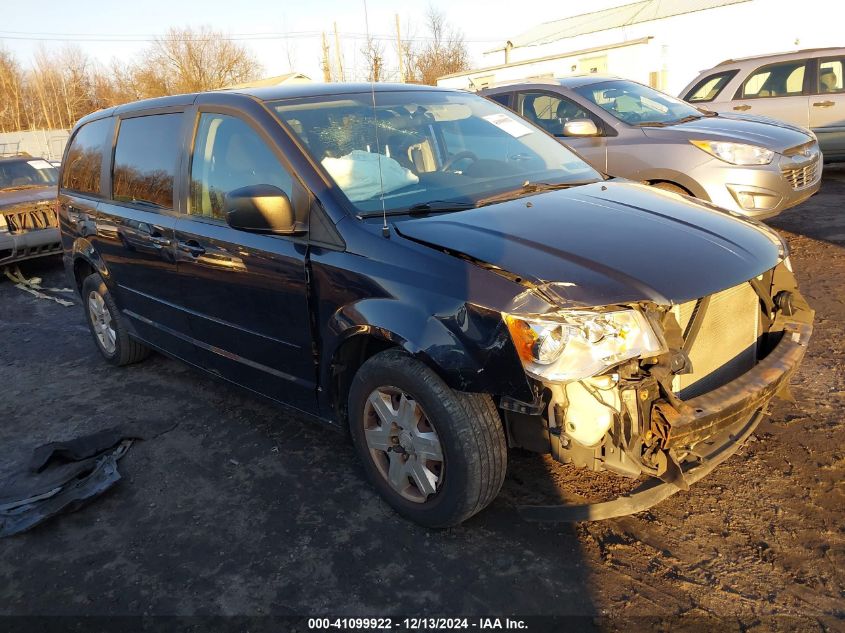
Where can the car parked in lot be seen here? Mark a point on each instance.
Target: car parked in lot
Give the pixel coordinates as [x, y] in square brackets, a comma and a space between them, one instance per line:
[804, 88]
[444, 279]
[632, 131]
[28, 224]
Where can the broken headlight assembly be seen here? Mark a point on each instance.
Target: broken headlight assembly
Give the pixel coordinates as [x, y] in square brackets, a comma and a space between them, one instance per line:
[576, 344]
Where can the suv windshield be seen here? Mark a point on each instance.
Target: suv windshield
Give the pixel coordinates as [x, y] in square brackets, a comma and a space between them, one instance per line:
[636, 104]
[16, 174]
[433, 150]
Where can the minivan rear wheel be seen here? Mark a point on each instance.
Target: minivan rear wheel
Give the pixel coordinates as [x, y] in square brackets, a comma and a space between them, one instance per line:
[437, 455]
[107, 325]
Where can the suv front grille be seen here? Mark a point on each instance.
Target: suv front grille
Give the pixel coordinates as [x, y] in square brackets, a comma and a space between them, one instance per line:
[42, 216]
[726, 344]
[801, 177]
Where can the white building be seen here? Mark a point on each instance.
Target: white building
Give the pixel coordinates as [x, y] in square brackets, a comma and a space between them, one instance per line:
[663, 43]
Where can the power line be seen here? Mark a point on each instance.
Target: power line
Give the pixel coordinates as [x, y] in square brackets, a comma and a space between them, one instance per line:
[43, 36]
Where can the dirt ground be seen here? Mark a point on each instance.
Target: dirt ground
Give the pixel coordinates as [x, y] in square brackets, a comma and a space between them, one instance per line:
[244, 509]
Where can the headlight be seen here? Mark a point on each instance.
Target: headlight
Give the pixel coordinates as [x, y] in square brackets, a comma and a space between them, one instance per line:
[3, 226]
[576, 344]
[736, 153]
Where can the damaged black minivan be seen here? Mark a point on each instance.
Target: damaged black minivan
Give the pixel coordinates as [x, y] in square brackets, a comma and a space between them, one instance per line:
[434, 272]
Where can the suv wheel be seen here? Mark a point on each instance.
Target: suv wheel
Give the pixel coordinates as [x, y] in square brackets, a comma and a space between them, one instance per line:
[107, 325]
[438, 456]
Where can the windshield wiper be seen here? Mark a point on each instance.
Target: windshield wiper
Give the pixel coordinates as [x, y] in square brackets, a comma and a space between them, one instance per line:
[531, 187]
[421, 208]
[440, 206]
[686, 119]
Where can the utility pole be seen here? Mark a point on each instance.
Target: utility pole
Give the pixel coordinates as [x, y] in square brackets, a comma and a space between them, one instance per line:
[327, 70]
[399, 51]
[338, 54]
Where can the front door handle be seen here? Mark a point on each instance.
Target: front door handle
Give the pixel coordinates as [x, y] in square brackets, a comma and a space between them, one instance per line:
[742, 107]
[159, 241]
[823, 104]
[192, 247]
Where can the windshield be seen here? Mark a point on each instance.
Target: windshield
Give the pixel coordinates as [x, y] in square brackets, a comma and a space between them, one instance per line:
[636, 104]
[17, 174]
[431, 147]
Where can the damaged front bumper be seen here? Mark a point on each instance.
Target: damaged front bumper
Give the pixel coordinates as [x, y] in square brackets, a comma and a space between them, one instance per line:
[652, 431]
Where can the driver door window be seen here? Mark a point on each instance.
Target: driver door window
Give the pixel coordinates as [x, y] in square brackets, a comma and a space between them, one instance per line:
[550, 112]
[228, 155]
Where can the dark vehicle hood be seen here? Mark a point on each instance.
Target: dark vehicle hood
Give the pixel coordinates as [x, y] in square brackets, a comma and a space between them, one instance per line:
[15, 197]
[768, 133]
[607, 243]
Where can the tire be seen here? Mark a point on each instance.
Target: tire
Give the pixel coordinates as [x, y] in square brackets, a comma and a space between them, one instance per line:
[125, 349]
[467, 426]
[668, 186]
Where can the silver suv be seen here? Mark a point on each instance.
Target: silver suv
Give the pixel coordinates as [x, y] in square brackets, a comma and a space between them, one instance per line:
[751, 166]
[805, 88]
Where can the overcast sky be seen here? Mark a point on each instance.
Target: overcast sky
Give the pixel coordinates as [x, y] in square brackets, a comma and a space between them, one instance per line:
[484, 25]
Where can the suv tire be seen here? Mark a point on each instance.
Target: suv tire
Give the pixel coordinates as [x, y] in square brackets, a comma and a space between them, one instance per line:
[107, 325]
[461, 432]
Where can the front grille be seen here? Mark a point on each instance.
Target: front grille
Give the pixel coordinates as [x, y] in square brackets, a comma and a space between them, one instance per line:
[42, 216]
[726, 344]
[800, 177]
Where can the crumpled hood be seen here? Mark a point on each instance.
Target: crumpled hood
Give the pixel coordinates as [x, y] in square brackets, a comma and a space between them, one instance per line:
[15, 197]
[607, 243]
[768, 133]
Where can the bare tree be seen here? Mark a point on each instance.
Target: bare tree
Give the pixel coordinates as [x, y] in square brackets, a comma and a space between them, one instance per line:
[189, 60]
[444, 53]
[12, 116]
[64, 85]
[373, 52]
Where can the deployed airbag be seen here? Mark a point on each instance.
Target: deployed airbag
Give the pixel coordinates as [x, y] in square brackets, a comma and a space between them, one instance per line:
[357, 174]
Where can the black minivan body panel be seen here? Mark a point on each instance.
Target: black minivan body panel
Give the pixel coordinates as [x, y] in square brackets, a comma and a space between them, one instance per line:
[277, 314]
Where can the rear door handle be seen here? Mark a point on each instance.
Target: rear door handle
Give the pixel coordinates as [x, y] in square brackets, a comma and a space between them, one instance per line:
[742, 107]
[823, 104]
[192, 247]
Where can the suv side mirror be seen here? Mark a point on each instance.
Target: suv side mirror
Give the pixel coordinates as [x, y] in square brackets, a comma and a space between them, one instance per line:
[261, 209]
[580, 127]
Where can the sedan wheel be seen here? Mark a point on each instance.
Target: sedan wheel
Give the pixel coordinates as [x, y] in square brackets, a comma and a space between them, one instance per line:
[403, 444]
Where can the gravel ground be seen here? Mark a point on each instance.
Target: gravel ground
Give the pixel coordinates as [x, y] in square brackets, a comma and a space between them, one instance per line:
[244, 509]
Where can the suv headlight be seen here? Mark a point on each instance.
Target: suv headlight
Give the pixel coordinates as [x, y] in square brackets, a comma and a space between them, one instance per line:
[736, 153]
[575, 344]
[3, 225]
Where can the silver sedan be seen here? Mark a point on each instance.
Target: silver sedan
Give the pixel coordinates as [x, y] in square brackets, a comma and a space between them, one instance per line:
[751, 165]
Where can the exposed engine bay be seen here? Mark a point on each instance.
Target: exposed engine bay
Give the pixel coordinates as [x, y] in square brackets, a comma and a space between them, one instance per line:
[667, 416]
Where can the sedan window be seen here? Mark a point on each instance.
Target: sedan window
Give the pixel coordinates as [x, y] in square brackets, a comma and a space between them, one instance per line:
[635, 104]
[549, 112]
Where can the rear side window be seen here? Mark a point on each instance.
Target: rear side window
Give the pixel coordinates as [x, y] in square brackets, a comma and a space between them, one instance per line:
[84, 162]
[145, 159]
[776, 80]
[831, 75]
[709, 88]
[228, 155]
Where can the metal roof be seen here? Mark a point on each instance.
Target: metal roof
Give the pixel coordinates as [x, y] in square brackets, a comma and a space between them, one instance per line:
[613, 18]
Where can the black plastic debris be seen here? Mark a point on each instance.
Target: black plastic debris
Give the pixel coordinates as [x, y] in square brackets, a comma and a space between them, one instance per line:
[64, 476]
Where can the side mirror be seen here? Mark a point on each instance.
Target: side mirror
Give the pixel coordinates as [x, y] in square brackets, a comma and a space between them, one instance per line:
[580, 127]
[261, 209]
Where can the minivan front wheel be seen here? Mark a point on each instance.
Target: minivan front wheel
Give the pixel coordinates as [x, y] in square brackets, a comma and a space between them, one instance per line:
[107, 326]
[438, 456]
